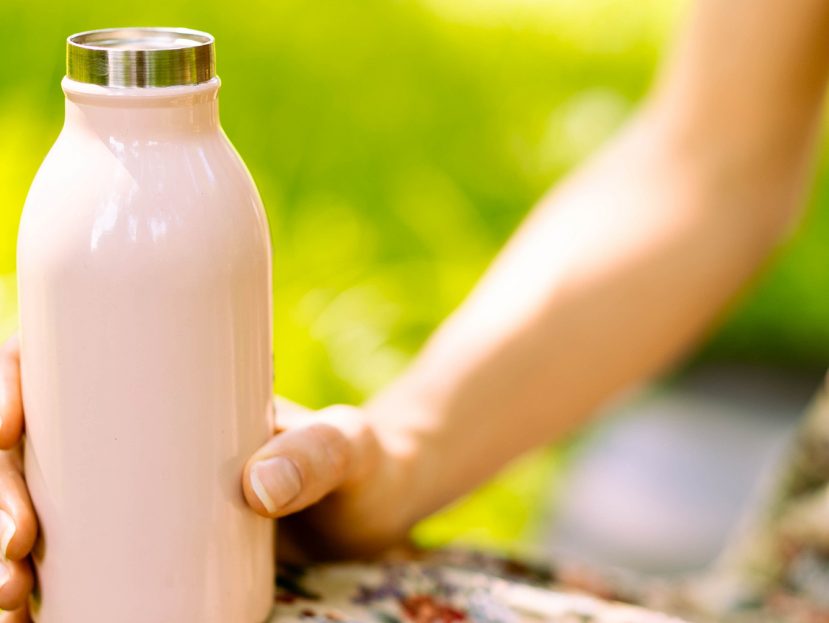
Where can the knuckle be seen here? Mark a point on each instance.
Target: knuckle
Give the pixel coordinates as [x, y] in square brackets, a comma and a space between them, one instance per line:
[8, 471]
[13, 596]
[348, 419]
[341, 411]
[333, 444]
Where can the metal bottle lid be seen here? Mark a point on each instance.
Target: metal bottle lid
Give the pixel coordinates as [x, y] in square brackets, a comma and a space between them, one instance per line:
[141, 57]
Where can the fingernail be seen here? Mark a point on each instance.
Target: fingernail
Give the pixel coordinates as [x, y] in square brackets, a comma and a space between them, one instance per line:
[276, 482]
[7, 530]
[5, 574]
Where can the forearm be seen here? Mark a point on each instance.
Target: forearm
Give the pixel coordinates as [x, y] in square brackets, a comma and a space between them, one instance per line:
[627, 263]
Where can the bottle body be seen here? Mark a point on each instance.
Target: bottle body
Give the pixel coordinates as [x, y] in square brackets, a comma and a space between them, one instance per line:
[145, 325]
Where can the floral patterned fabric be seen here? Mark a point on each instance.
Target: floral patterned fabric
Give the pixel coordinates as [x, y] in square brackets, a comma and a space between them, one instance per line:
[441, 589]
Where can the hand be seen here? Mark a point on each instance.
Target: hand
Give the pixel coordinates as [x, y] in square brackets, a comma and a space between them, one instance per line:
[18, 524]
[335, 479]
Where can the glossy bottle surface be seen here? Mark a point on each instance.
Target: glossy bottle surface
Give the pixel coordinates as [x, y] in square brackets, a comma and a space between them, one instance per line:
[145, 320]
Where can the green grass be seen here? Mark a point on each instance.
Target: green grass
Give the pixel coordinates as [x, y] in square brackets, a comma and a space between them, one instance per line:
[396, 145]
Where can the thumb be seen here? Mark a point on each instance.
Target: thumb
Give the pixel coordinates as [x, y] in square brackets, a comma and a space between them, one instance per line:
[313, 456]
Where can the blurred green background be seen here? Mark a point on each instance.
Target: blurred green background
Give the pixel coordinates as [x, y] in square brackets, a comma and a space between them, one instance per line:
[396, 144]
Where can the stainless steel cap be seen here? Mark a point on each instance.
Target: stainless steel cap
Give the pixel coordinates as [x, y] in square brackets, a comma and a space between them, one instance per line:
[141, 57]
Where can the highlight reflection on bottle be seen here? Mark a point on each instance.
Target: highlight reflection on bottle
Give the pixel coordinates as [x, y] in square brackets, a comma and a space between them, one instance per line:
[145, 318]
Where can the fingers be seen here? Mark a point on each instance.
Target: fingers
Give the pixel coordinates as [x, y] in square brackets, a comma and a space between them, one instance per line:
[11, 404]
[18, 523]
[18, 530]
[289, 414]
[312, 458]
[18, 526]
[16, 582]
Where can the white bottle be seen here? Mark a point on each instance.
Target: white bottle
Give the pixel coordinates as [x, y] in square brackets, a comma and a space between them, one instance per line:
[145, 321]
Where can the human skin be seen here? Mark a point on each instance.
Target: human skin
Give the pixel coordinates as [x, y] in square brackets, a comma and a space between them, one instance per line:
[613, 276]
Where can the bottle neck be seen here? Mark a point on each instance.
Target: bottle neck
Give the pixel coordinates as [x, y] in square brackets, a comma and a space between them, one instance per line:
[137, 113]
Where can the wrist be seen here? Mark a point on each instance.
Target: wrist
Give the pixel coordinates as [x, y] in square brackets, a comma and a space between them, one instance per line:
[408, 424]
[400, 423]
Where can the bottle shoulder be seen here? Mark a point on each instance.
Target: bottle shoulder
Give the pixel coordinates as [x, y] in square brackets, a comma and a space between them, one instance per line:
[114, 199]
[194, 173]
[191, 159]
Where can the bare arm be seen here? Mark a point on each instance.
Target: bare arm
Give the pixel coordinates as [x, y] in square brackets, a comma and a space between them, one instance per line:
[628, 262]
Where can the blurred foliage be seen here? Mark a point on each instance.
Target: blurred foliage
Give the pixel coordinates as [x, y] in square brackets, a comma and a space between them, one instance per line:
[396, 144]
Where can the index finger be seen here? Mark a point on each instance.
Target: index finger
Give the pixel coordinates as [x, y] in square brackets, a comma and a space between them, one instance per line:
[11, 403]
